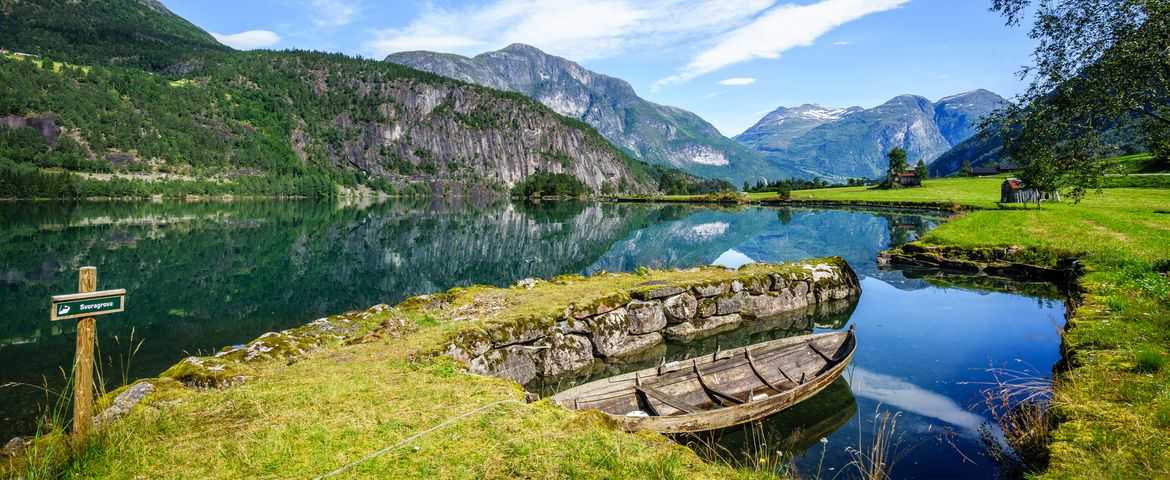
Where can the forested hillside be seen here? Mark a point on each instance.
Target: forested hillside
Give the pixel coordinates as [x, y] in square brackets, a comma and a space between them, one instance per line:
[261, 122]
[140, 33]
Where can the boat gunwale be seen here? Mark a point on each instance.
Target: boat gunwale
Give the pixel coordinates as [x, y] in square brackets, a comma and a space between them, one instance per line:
[709, 419]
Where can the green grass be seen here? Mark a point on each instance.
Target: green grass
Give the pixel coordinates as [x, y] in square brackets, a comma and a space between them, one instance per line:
[978, 192]
[309, 415]
[1114, 403]
[1141, 163]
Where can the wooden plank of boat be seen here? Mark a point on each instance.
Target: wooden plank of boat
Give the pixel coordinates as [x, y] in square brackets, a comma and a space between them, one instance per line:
[720, 390]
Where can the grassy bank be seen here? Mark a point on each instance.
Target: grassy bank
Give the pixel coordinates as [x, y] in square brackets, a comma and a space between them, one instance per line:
[307, 401]
[1113, 404]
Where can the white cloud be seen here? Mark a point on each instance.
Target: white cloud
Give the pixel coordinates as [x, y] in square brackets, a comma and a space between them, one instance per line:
[737, 81]
[333, 13]
[778, 30]
[842, 43]
[570, 28]
[248, 40]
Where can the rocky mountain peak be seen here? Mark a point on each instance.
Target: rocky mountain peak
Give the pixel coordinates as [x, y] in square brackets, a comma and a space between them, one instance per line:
[840, 143]
[656, 133]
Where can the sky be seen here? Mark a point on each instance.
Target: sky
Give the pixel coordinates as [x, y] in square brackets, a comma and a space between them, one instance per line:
[730, 61]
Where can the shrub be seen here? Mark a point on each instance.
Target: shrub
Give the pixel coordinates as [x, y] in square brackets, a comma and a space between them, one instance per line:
[550, 185]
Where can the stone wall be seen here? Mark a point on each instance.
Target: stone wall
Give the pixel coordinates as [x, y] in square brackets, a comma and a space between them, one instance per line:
[627, 323]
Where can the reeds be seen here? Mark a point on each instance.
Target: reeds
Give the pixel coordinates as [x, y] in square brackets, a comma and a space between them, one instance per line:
[50, 445]
[876, 460]
[1018, 403]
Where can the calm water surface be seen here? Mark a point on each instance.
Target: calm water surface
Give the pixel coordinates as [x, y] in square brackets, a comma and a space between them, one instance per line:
[205, 275]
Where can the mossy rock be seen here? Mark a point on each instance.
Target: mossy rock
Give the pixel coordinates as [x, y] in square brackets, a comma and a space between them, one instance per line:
[208, 372]
[520, 330]
[605, 304]
[653, 292]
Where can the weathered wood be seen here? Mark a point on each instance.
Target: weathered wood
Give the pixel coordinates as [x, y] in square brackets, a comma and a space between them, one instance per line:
[710, 383]
[668, 399]
[83, 362]
[756, 370]
[715, 394]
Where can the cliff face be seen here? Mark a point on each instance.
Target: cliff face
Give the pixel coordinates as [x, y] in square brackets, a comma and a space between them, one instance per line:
[425, 131]
[656, 133]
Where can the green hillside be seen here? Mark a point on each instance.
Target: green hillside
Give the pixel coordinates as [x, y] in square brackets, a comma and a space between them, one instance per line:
[141, 33]
[160, 100]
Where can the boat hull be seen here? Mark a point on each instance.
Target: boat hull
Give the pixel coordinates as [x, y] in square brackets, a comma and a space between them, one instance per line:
[720, 417]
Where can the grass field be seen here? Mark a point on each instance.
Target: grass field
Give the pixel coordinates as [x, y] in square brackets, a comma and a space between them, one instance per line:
[1115, 403]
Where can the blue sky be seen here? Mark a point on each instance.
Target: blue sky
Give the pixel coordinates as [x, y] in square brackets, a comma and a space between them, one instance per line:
[729, 61]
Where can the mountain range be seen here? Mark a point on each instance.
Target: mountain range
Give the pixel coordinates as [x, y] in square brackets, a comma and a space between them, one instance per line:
[656, 133]
[837, 143]
[806, 141]
[146, 92]
[152, 93]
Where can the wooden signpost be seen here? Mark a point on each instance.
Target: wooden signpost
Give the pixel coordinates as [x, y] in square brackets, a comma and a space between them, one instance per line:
[86, 304]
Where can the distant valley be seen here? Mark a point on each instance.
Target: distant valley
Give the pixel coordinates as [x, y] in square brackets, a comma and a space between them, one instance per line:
[838, 143]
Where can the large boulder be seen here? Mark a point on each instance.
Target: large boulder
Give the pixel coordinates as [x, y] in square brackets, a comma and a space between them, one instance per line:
[681, 307]
[635, 344]
[564, 353]
[609, 331]
[729, 304]
[711, 290]
[515, 362]
[645, 316]
[703, 327]
[772, 303]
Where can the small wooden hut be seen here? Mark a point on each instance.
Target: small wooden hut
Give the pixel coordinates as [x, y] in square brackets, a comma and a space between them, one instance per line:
[908, 180]
[1013, 190]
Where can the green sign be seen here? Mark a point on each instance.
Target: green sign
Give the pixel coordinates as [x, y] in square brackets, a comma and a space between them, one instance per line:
[88, 304]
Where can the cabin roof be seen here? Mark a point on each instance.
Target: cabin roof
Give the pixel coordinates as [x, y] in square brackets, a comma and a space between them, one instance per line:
[1014, 183]
[906, 175]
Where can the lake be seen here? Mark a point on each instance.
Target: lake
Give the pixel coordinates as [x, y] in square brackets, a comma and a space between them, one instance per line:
[203, 275]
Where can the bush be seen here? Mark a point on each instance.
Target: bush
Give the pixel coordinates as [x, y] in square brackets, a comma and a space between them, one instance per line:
[550, 185]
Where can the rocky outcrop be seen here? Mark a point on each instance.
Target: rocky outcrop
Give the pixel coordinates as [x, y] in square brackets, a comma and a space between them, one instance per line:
[45, 125]
[1008, 262]
[628, 322]
[444, 130]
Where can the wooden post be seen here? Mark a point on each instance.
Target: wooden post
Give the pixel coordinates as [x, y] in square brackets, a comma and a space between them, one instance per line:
[83, 364]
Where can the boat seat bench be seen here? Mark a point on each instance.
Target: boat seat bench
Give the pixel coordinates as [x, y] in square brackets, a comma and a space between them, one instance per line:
[668, 399]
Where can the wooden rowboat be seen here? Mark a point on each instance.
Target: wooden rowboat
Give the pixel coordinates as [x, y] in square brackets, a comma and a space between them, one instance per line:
[719, 390]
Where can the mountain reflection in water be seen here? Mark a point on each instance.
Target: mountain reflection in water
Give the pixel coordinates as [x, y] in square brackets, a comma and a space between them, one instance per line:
[203, 275]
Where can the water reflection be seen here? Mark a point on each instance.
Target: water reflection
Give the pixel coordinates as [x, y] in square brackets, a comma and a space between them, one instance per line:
[205, 275]
[904, 396]
[792, 431]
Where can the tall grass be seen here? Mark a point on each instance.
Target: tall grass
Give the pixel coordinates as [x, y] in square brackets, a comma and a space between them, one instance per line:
[49, 442]
[762, 452]
[876, 459]
[51, 448]
[1018, 403]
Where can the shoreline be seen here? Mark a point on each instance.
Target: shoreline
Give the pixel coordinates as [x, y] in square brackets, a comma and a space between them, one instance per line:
[1097, 368]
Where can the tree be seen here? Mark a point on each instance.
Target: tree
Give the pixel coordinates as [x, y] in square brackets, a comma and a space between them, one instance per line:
[746, 186]
[898, 164]
[921, 171]
[965, 170]
[1096, 61]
